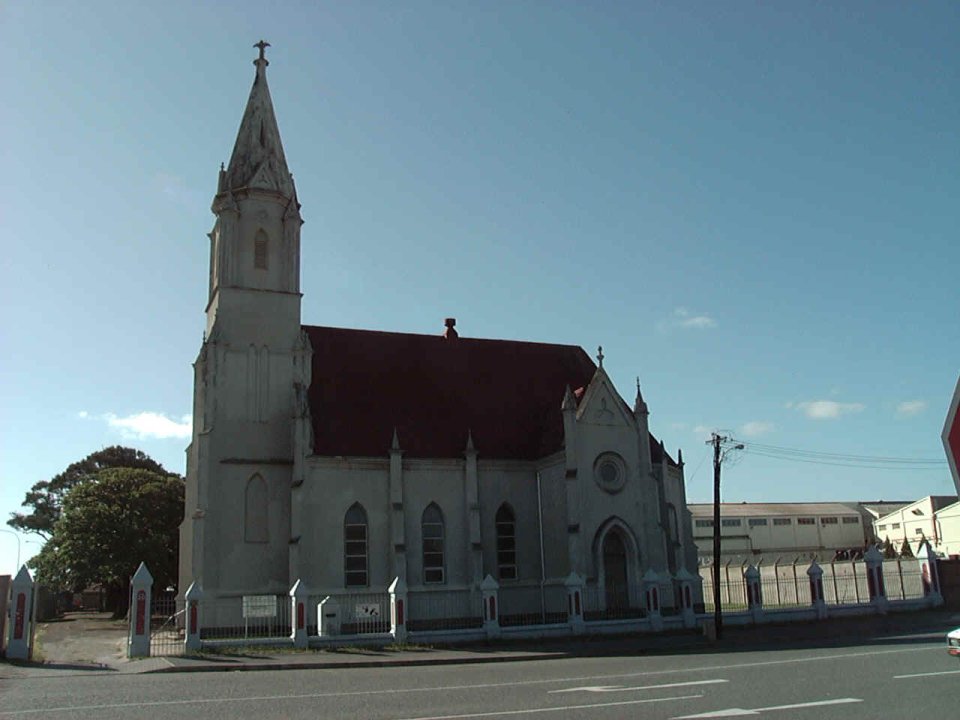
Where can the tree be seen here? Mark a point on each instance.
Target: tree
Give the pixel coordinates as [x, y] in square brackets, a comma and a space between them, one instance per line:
[905, 550]
[46, 496]
[889, 552]
[109, 523]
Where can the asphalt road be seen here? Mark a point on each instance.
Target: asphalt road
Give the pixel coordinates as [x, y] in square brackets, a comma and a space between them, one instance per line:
[899, 678]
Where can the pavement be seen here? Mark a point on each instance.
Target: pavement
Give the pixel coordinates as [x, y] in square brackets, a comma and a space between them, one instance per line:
[94, 643]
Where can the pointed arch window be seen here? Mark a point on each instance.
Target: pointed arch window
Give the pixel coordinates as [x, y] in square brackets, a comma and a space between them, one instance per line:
[355, 547]
[255, 528]
[431, 526]
[506, 543]
[260, 250]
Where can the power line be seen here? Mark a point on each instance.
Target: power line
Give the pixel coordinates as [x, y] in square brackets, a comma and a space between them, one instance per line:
[841, 456]
[814, 457]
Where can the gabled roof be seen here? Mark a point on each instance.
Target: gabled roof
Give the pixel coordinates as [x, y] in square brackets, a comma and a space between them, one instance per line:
[435, 390]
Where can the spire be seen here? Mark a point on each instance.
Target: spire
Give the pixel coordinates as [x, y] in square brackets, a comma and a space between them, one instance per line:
[639, 405]
[569, 400]
[258, 160]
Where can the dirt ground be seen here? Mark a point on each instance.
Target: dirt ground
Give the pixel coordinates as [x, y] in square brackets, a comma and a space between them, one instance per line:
[81, 638]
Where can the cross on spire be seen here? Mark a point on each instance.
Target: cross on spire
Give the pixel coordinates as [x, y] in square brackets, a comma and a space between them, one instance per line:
[600, 355]
[262, 46]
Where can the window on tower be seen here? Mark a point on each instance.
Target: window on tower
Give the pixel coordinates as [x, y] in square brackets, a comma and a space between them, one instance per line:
[260, 250]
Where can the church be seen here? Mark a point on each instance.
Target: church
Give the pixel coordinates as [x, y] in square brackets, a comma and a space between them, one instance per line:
[345, 458]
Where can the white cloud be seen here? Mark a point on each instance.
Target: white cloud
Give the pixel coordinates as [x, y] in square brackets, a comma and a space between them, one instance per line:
[909, 408]
[828, 409]
[684, 318]
[755, 428]
[148, 425]
[83, 414]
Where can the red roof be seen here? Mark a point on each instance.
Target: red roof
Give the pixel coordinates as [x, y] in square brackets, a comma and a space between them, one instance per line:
[434, 390]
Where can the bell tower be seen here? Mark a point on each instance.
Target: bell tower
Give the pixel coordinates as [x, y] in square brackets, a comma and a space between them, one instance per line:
[236, 531]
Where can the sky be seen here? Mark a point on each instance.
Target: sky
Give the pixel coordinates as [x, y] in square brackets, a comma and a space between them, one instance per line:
[751, 207]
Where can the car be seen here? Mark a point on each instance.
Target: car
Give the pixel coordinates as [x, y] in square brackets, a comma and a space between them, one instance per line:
[953, 642]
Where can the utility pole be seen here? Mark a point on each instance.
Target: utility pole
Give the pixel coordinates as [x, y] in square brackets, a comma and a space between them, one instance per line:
[719, 453]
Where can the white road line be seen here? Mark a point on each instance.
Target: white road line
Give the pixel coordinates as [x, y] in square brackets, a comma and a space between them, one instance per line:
[617, 688]
[744, 712]
[531, 711]
[478, 686]
[926, 674]
[273, 698]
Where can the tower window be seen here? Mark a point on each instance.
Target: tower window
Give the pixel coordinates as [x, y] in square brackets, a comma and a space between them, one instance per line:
[260, 250]
[506, 543]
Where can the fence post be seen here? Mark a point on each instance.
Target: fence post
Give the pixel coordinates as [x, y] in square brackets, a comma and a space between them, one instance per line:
[875, 585]
[491, 613]
[22, 590]
[685, 588]
[929, 574]
[298, 614]
[754, 593]
[815, 573]
[574, 585]
[651, 593]
[398, 609]
[138, 638]
[193, 596]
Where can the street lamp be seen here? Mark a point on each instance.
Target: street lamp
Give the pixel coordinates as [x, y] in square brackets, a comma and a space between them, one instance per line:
[717, 440]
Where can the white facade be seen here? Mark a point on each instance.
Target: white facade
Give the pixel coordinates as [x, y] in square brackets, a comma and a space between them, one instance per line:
[273, 498]
[933, 518]
[787, 529]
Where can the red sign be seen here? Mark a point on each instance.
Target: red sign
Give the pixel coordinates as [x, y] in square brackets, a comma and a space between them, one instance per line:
[18, 618]
[951, 436]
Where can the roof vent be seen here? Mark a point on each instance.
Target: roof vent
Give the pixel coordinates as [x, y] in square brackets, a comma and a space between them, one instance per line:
[450, 332]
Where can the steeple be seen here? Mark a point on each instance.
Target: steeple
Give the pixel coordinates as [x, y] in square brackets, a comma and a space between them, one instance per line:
[639, 405]
[257, 160]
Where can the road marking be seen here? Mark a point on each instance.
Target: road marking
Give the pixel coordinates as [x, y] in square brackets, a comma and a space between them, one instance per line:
[478, 686]
[927, 674]
[617, 688]
[567, 708]
[744, 712]
[273, 698]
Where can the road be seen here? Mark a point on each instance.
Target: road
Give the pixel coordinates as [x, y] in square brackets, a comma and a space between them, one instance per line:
[902, 677]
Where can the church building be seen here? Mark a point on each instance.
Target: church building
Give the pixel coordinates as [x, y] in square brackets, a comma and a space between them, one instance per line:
[345, 458]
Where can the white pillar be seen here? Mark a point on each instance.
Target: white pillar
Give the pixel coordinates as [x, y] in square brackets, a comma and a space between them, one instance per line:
[193, 596]
[929, 574]
[298, 614]
[817, 599]
[138, 638]
[20, 634]
[574, 585]
[328, 617]
[875, 584]
[491, 613]
[685, 587]
[754, 592]
[398, 609]
[651, 593]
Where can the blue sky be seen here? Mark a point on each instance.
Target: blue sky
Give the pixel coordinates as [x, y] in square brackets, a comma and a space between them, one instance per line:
[752, 207]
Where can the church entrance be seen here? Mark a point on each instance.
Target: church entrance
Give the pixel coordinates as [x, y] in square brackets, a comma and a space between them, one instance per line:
[616, 589]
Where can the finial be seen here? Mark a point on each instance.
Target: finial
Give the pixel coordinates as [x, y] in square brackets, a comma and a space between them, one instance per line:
[638, 385]
[222, 168]
[600, 355]
[261, 61]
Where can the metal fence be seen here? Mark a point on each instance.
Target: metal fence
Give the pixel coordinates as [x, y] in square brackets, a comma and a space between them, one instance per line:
[532, 605]
[445, 610]
[246, 617]
[787, 585]
[360, 613]
[613, 602]
[166, 624]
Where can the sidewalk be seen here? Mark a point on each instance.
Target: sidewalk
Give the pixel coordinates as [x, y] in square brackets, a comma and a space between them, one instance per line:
[86, 642]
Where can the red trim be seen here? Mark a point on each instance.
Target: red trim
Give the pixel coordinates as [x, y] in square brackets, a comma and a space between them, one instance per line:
[193, 618]
[21, 612]
[141, 611]
[300, 618]
[576, 601]
[399, 612]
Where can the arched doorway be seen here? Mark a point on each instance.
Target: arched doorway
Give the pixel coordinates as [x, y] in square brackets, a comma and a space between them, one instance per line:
[615, 580]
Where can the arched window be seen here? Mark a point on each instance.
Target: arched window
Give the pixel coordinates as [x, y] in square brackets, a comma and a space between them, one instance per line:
[255, 528]
[355, 547]
[431, 525]
[260, 250]
[506, 543]
[673, 527]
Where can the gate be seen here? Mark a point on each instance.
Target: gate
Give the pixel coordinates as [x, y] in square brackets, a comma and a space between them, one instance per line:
[167, 621]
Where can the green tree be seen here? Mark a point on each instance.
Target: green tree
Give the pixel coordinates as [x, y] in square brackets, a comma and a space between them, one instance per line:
[109, 523]
[889, 552]
[45, 498]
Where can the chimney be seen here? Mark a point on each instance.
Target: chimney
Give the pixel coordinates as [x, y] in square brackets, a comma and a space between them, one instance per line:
[450, 332]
